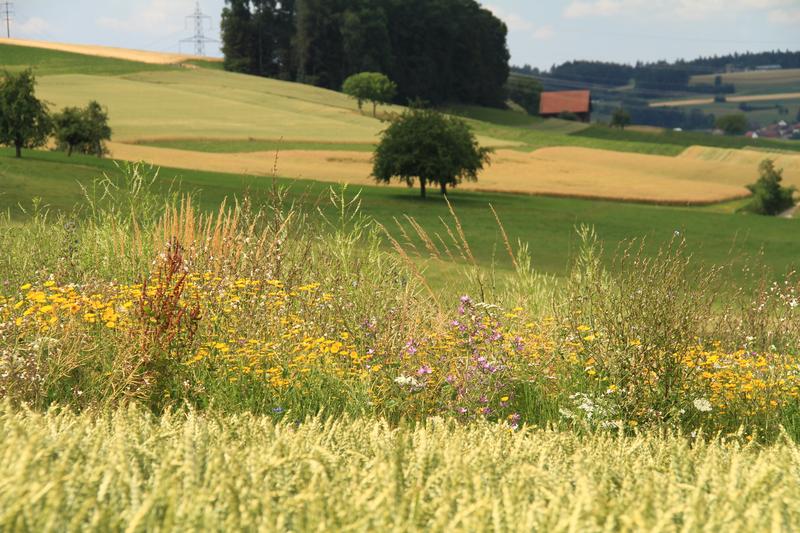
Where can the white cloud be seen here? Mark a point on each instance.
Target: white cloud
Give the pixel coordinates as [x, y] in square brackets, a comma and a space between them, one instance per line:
[514, 21]
[158, 17]
[581, 8]
[33, 27]
[684, 9]
[784, 16]
[544, 33]
[517, 23]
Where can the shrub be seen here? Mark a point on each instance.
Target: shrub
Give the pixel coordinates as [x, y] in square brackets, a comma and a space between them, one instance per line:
[732, 124]
[769, 196]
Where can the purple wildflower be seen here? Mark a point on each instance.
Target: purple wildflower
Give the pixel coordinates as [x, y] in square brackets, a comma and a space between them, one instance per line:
[411, 347]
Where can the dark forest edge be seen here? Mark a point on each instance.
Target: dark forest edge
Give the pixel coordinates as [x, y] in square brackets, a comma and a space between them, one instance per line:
[434, 50]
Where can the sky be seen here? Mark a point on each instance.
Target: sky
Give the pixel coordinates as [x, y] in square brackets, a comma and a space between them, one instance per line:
[541, 32]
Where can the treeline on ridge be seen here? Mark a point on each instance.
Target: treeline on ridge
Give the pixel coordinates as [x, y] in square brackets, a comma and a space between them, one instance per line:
[434, 50]
[664, 75]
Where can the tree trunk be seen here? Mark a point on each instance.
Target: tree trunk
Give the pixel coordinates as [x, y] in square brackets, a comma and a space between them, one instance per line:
[18, 146]
[374, 109]
[422, 187]
[444, 188]
[69, 152]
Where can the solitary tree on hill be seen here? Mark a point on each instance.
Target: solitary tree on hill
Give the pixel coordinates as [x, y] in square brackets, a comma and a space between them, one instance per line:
[370, 87]
[621, 119]
[428, 146]
[24, 122]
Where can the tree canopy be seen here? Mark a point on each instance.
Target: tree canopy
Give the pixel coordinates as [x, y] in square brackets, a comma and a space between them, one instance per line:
[24, 121]
[370, 87]
[620, 119]
[733, 124]
[769, 196]
[83, 129]
[525, 92]
[430, 147]
[435, 50]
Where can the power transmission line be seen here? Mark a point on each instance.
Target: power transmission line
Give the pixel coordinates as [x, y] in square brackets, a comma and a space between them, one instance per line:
[7, 10]
[199, 38]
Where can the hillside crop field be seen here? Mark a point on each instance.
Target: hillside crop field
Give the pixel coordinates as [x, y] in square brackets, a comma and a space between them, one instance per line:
[776, 97]
[757, 82]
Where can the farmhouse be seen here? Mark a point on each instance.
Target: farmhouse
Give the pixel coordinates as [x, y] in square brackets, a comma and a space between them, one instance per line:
[556, 103]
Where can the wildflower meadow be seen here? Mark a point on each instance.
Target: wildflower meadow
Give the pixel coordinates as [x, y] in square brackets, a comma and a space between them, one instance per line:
[299, 370]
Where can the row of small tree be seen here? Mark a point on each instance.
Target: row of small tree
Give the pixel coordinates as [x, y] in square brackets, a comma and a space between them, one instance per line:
[26, 123]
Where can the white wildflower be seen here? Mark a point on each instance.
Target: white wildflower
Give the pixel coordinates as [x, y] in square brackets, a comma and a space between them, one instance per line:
[408, 381]
[702, 405]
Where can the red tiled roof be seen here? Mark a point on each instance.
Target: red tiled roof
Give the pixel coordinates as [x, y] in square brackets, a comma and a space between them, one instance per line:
[554, 103]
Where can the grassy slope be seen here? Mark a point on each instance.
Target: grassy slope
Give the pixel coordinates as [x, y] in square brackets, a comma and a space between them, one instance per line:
[214, 104]
[548, 224]
[52, 62]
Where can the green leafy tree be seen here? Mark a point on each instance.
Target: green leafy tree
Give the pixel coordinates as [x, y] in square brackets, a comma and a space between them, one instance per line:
[371, 87]
[769, 196]
[525, 92]
[24, 121]
[428, 146]
[70, 129]
[84, 129]
[733, 124]
[620, 119]
[98, 129]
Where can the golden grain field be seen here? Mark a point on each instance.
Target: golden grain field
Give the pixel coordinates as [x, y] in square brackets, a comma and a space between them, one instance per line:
[732, 99]
[130, 471]
[559, 171]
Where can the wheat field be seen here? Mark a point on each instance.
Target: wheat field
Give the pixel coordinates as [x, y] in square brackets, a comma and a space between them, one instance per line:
[130, 471]
[557, 171]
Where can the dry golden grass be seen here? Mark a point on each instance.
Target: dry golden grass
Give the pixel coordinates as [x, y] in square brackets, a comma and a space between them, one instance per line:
[748, 159]
[142, 56]
[732, 99]
[567, 171]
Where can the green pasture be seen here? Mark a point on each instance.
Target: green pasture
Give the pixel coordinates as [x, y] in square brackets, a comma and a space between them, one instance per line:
[713, 234]
[766, 112]
[53, 62]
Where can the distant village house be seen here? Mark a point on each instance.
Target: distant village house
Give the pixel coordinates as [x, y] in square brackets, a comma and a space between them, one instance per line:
[559, 103]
